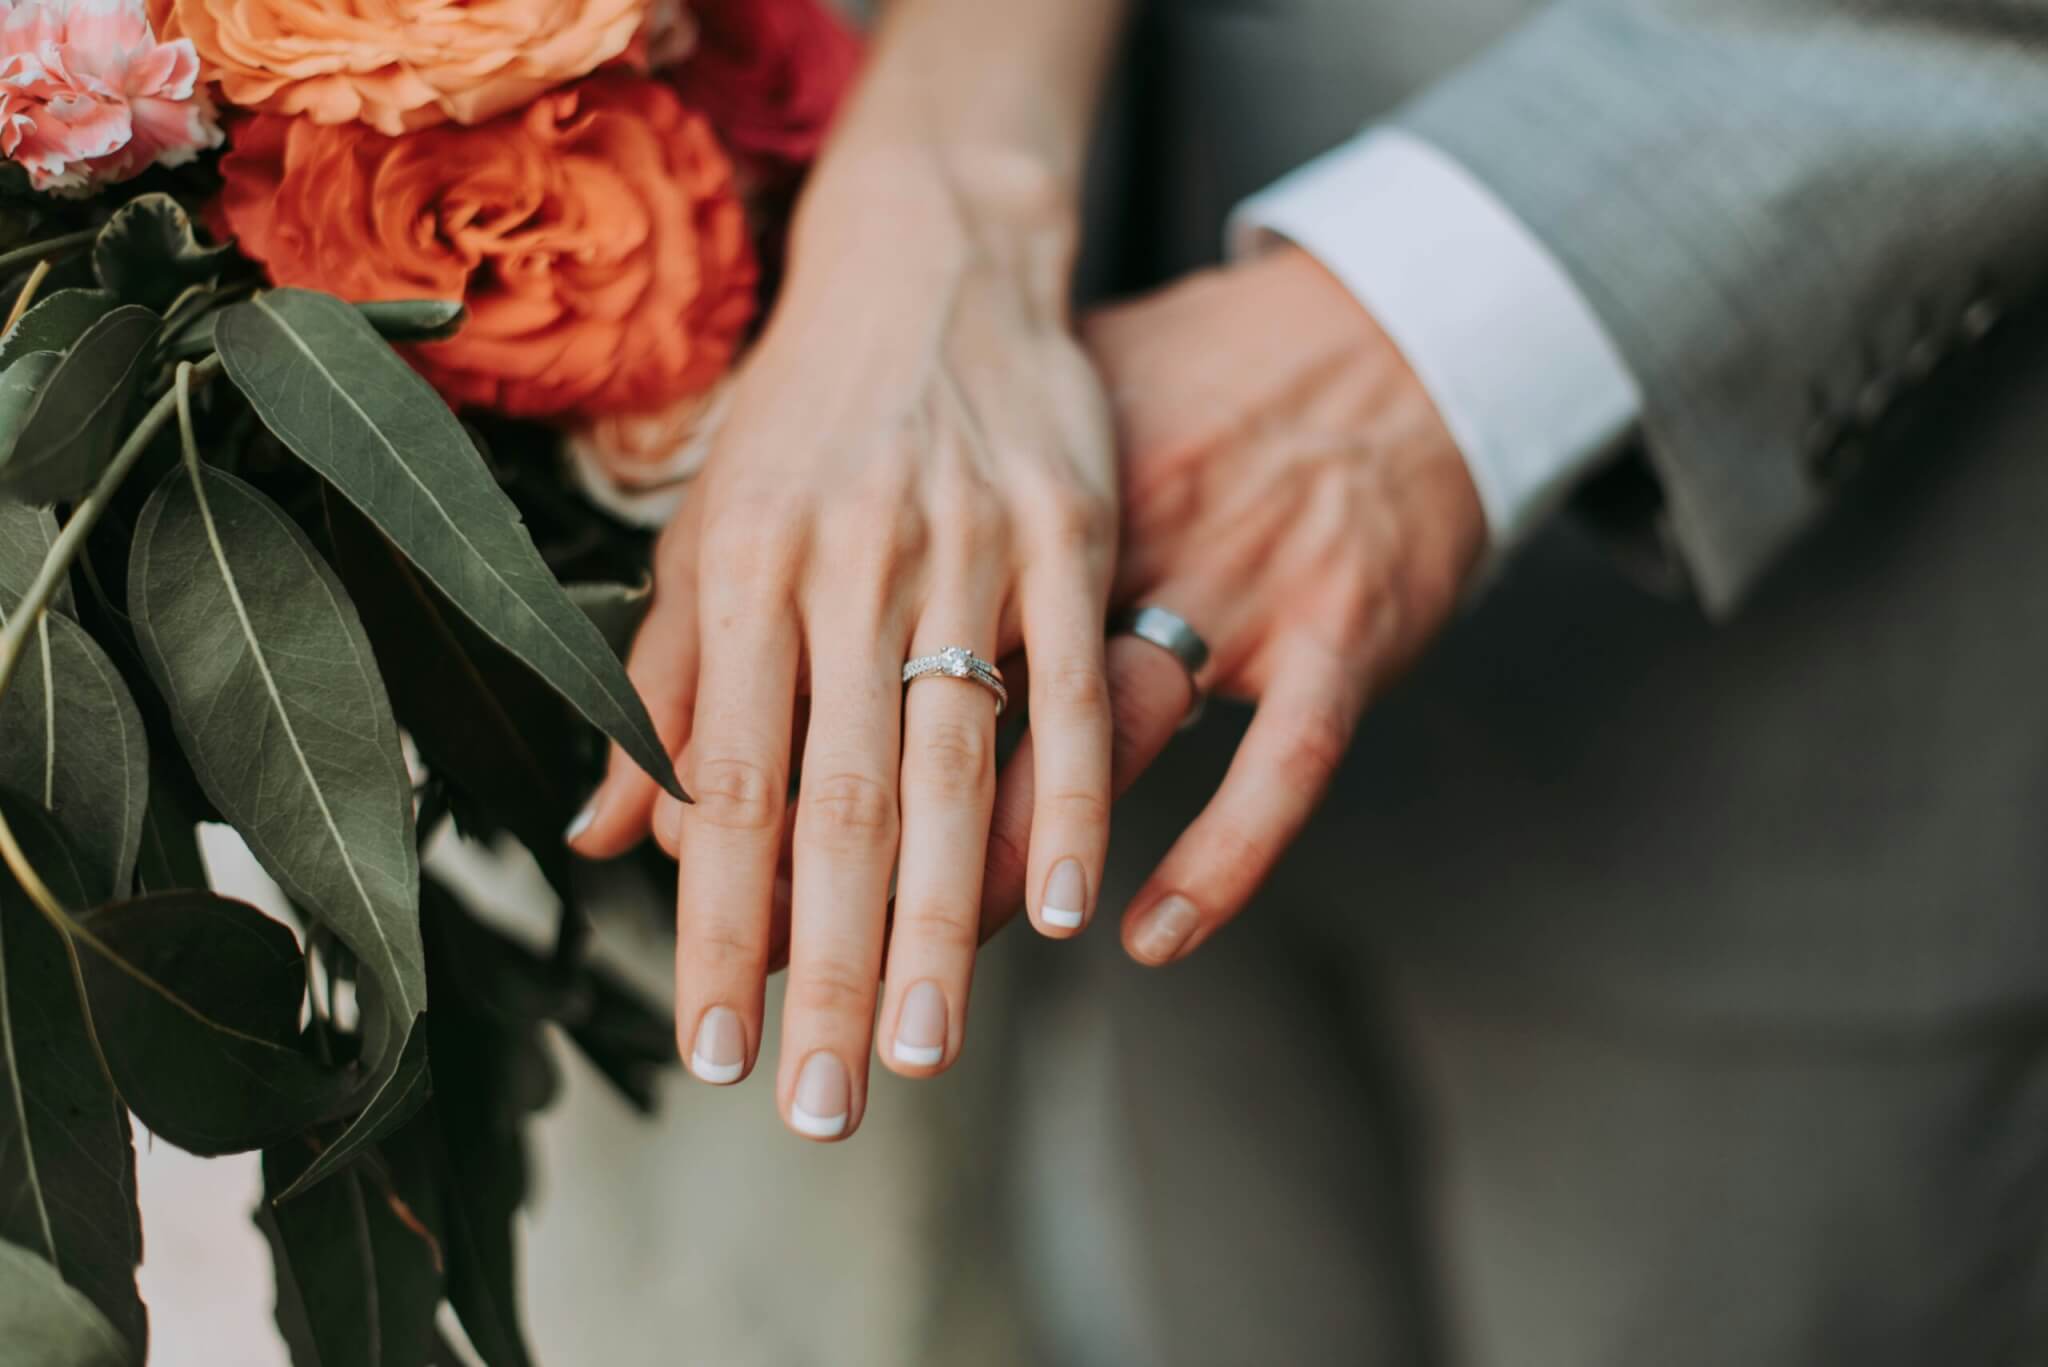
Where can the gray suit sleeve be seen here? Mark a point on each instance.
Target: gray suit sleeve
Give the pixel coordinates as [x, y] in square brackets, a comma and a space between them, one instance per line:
[1786, 212]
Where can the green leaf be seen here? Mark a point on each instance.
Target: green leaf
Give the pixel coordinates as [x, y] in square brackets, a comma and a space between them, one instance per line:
[483, 722]
[20, 386]
[342, 400]
[44, 1323]
[26, 535]
[71, 739]
[67, 1163]
[57, 320]
[618, 609]
[148, 252]
[169, 859]
[358, 1262]
[193, 340]
[195, 1000]
[414, 320]
[81, 411]
[396, 1100]
[276, 700]
[492, 1076]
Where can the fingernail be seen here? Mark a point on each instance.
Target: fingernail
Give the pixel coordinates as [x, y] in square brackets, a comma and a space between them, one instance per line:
[1066, 895]
[1166, 927]
[921, 1026]
[719, 1053]
[582, 821]
[820, 1105]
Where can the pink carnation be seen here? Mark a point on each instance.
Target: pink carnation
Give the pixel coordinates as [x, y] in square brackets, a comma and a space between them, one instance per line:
[88, 95]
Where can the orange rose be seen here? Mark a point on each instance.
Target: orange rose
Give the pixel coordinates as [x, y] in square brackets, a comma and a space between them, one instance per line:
[397, 64]
[595, 236]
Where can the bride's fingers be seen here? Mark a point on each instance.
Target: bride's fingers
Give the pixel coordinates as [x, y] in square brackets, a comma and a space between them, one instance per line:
[738, 772]
[1298, 736]
[844, 849]
[949, 737]
[1071, 730]
[663, 668]
[1149, 694]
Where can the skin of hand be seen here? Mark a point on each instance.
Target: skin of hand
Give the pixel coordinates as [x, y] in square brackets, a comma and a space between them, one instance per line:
[1288, 488]
[917, 455]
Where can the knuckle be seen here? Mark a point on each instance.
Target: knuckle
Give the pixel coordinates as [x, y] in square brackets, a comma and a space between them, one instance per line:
[1076, 687]
[832, 987]
[933, 927]
[954, 757]
[1315, 744]
[752, 542]
[1238, 856]
[718, 948]
[1078, 809]
[850, 808]
[1075, 521]
[735, 793]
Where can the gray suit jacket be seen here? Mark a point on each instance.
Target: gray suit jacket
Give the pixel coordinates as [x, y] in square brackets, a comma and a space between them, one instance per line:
[1815, 229]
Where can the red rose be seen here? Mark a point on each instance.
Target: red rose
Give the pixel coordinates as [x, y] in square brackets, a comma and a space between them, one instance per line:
[769, 74]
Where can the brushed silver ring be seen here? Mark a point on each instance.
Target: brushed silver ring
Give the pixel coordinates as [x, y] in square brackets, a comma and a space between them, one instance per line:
[1171, 633]
[958, 662]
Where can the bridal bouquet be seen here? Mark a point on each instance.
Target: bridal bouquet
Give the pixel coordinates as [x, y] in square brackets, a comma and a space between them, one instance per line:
[322, 320]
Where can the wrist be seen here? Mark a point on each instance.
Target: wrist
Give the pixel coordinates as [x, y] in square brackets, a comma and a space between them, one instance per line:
[898, 211]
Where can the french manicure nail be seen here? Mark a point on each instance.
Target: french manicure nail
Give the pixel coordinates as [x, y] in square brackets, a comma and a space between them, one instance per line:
[921, 1026]
[822, 1098]
[582, 821]
[1166, 927]
[1066, 895]
[719, 1053]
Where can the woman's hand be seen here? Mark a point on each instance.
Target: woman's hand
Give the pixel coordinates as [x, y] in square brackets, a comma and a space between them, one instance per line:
[917, 456]
[1290, 490]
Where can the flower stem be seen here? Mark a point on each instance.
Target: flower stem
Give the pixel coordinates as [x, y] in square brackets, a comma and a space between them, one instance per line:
[14, 635]
[48, 247]
[27, 296]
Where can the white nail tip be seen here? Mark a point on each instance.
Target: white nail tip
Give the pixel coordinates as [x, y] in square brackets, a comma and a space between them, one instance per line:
[582, 821]
[816, 1126]
[919, 1055]
[708, 1071]
[1060, 916]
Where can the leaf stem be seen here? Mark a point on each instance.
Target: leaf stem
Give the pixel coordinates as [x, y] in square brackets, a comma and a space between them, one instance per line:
[48, 247]
[27, 296]
[65, 549]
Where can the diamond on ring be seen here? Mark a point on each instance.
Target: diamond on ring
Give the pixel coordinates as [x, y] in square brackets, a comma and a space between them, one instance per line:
[958, 662]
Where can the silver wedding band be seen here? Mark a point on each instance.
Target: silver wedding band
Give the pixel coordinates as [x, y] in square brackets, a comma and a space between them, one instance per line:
[958, 662]
[1171, 633]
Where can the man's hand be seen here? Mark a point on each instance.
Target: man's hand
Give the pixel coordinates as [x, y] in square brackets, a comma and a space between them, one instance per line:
[1290, 490]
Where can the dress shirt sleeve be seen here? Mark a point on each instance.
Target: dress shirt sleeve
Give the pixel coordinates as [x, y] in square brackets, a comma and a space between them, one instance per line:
[1524, 375]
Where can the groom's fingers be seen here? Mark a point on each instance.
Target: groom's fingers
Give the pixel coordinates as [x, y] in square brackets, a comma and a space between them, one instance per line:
[1149, 694]
[1283, 766]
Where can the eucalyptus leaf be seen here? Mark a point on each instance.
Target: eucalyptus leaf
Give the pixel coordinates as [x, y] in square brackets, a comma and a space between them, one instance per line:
[276, 700]
[21, 384]
[358, 1261]
[71, 739]
[396, 1100]
[414, 320]
[492, 1076]
[44, 1323]
[483, 723]
[81, 410]
[67, 1162]
[26, 536]
[169, 860]
[342, 400]
[196, 1000]
[193, 340]
[617, 609]
[148, 252]
[56, 321]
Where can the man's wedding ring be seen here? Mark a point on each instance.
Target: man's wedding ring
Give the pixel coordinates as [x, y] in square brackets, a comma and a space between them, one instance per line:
[1171, 633]
[958, 662]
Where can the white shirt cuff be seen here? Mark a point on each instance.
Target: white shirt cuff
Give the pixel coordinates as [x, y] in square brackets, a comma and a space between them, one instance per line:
[1523, 374]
